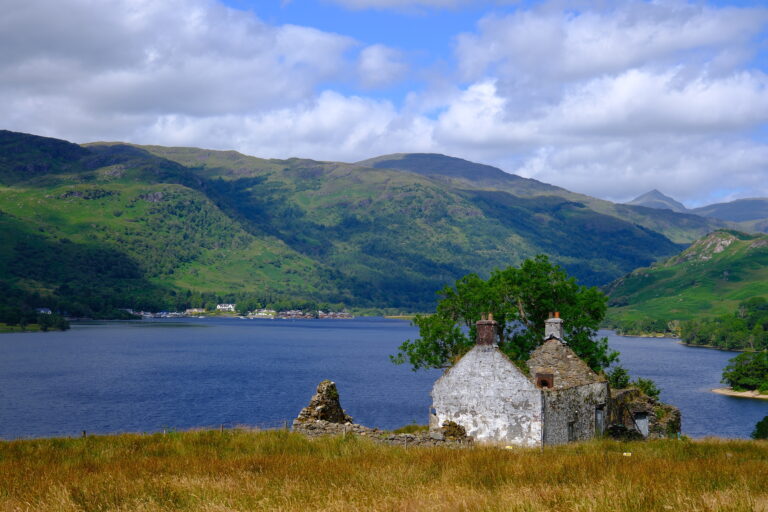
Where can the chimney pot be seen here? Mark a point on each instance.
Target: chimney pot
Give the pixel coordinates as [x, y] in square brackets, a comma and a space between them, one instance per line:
[486, 330]
[554, 327]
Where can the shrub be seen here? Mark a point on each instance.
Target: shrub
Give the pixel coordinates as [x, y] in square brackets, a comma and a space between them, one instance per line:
[618, 377]
[761, 429]
[648, 387]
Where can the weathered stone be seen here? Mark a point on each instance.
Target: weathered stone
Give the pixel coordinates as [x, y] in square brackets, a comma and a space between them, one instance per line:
[321, 428]
[634, 411]
[568, 370]
[324, 406]
[452, 430]
[490, 397]
[497, 402]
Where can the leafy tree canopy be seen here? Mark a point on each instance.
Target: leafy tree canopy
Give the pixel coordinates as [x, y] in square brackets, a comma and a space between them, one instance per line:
[748, 371]
[520, 300]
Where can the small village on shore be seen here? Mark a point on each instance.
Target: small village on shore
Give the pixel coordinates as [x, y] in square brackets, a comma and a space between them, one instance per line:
[230, 311]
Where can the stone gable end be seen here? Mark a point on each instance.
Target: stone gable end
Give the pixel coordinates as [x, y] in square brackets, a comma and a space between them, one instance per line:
[491, 398]
[555, 358]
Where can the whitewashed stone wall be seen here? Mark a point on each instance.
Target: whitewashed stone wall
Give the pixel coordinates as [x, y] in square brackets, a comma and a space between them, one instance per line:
[491, 398]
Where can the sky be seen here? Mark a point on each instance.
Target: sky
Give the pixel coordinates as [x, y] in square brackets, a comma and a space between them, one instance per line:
[609, 98]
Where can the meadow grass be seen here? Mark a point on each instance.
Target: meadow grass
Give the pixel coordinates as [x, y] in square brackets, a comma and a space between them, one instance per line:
[278, 470]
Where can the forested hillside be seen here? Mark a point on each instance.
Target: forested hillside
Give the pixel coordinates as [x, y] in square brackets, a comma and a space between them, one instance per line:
[710, 278]
[88, 229]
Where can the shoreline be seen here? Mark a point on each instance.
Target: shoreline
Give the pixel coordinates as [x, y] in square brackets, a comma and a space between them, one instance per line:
[679, 341]
[740, 394]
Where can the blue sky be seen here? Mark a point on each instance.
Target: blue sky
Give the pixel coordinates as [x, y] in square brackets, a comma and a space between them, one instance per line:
[609, 98]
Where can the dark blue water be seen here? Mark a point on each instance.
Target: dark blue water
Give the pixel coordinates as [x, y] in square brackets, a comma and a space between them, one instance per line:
[150, 375]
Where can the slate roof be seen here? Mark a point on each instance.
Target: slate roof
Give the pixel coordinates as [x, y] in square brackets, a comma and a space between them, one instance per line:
[568, 369]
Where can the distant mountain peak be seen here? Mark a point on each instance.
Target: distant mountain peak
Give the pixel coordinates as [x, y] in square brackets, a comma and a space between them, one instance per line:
[658, 200]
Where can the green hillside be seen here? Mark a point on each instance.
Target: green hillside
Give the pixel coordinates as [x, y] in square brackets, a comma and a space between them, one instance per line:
[102, 226]
[740, 210]
[680, 227]
[709, 278]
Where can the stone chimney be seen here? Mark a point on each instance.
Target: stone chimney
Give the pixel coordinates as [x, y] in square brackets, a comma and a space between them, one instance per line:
[486, 330]
[553, 326]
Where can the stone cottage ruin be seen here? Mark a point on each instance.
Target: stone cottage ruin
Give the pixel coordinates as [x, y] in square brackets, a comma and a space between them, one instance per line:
[558, 400]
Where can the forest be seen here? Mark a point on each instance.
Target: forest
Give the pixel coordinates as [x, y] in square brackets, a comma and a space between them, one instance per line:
[745, 329]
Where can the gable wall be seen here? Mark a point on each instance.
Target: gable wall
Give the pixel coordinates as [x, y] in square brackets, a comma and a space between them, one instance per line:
[491, 398]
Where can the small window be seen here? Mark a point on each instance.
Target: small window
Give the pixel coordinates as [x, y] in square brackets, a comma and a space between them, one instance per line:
[600, 420]
[571, 431]
[545, 380]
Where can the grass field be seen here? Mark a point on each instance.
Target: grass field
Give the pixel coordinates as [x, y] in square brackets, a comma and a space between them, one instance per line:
[16, 328]
[278, 470]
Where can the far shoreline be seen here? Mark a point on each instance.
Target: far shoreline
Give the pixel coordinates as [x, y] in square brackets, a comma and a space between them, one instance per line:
[740, 394]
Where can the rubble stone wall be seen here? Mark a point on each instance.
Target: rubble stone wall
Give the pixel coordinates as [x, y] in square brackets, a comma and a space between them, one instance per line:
[571, 414]
[320, 428]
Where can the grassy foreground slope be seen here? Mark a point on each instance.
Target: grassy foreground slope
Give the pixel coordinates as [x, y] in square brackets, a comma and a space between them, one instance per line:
[275, 470]
[709, 278]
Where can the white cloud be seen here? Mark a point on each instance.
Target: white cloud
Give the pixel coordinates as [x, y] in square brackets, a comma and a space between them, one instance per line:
[697, 170]
[380, 65]
[331, 126]
[406, 4]
[142, 59]
[608, 100]
[565, 45]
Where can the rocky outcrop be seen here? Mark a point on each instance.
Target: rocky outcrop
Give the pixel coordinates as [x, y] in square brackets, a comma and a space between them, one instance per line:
[324, 406]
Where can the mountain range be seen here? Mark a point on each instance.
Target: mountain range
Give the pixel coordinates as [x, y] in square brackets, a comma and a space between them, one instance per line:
[746, 214]
[95, 227]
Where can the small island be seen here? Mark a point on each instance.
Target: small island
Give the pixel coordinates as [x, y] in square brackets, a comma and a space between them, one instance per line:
[746, 376]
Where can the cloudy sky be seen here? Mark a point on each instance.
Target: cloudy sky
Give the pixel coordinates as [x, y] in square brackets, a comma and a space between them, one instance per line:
[610, 98]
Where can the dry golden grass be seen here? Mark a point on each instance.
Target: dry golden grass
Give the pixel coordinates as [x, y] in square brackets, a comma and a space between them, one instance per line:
[214, 471]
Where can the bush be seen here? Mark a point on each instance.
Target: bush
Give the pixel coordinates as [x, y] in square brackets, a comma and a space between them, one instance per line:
[648, 387]
[618, 377]
[761, 429]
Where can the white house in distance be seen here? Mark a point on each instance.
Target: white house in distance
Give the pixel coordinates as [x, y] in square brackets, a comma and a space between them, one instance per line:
[225, 307]
[559, 400]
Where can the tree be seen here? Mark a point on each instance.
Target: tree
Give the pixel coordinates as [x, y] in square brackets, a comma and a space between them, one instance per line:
[520, 300]
[618, 377]
[747, 371]
[761, 429]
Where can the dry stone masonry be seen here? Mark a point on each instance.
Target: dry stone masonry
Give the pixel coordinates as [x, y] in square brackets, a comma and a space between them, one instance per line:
[325, 417]
[486, 398]
[324, 406]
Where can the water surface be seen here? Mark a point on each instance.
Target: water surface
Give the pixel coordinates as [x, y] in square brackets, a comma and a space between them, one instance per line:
[151, 375]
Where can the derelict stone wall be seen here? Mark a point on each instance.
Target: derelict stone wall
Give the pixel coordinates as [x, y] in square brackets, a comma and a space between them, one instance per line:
[576, 406]
[491, 398]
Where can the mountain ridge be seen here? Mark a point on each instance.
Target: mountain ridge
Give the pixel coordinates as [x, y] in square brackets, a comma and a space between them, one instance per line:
[658, 200]
[708, 278]
[197, 222]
